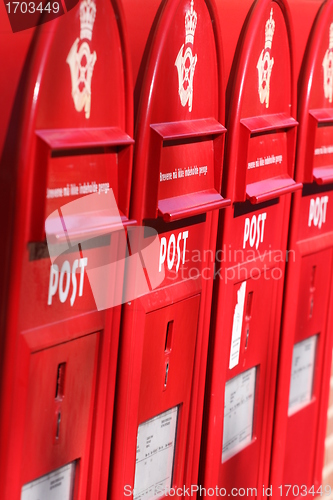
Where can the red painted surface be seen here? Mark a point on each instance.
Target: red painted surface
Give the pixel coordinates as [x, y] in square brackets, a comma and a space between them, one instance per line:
[176, 189]
[48, 144]
[13, 52]
[302, 16]
[251, 247]
[232, 17]
[298, 446]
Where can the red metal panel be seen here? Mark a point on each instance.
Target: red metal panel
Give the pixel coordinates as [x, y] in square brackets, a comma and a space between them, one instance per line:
[177, 182]
[301, 407]
[232, 17]
[13, 52]
[251, 254]
[302, 16]
[49, 445]
[75, 92]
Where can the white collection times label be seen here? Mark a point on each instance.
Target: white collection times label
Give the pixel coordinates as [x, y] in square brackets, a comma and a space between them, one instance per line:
[302, 370]
[155, 450]
[237, 326]
[57, 485]
[238, 413]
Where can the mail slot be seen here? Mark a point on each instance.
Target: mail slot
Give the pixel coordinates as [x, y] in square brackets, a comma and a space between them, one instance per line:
[306, 339]
[177, 176]
[65, 190]
[250, 257]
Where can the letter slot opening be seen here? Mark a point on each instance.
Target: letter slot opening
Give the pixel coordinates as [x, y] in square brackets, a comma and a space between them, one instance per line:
[168, 337]
[59, 393]
[249, 305]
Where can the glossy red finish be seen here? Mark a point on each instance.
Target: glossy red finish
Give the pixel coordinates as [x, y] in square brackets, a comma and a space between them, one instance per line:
[302, 16]
[232, 18]
[59, 353]
[13, 53]
[139, 17]
[299, 432]
[176, 190]
[251, 254]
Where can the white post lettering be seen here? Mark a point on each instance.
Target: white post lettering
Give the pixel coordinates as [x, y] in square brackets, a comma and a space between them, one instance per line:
[162, 253]
[53, 282]
[82, 264]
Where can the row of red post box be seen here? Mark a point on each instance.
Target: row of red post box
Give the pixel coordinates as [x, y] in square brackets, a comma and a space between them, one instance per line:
[166, 287]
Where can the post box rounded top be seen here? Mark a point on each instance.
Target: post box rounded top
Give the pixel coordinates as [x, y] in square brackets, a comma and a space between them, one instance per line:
[316, 83]
[75, 99]
[315, 103]
[83, 78]
[182, 84]
[261, 107]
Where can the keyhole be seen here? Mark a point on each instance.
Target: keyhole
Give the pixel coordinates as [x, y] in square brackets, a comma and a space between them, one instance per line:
[60, 384]
[58, 425]
[248, 313]
[312, 290]
[247, 336]
[166, 374]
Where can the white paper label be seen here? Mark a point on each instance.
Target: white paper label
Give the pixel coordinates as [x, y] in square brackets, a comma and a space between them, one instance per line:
[155, 449]
[58, 485]
[237, 326]
[302, 370]
[238, 413]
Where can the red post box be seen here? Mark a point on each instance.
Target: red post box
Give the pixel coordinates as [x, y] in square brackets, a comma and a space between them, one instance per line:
[251, 254]
[68, 136]
[306, 342]
[177, 179]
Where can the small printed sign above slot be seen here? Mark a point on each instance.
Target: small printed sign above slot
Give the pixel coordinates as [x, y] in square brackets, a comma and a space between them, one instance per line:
[318, 160]
[266, 158]
[75, 163]
[323, 155]
[189, 154]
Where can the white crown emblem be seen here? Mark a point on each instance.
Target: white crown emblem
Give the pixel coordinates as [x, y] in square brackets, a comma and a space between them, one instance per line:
[328, 68]
[87, 18]
[191, 20]
[81, 61]
[265, 62]
[269, 31]
[186, 62]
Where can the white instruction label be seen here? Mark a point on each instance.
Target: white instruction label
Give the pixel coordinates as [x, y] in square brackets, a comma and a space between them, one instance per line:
[155, 449]
[58, 485]
[238, 413]
[302, 370]
[237, 326]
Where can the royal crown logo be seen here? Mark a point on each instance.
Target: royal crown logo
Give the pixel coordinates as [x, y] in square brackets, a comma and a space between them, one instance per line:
[265, 62]
[185, 64]
[80, 59]
[328, 68]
